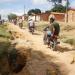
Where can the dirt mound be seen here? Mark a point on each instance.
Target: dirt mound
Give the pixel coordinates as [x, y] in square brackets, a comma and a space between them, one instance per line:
[40, 59]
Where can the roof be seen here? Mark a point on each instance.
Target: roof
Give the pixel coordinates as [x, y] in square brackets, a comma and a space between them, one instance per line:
[73, 9]
[57, 13]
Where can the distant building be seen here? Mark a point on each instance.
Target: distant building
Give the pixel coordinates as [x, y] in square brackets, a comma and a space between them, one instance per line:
[59, 16]
[71, 15]
[35, 17]
[23, 17]
[44, 16]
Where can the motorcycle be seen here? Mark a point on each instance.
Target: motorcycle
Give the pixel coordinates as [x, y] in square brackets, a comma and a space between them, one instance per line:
[50, 41]
[31, 30]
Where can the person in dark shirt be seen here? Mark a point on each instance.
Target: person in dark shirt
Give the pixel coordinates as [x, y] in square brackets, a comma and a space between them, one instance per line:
[51, 31]
[55, 28]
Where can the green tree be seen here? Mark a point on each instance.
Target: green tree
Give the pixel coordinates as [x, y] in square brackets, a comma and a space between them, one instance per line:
[35, 11]
[47, 11]
[59, 8]
[31, 11]
[12, 16]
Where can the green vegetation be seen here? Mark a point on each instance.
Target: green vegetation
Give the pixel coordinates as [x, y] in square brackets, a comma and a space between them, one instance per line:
[12, 16]
[3, 31]
[35, 11]
[70, 41]
[25, 23]
[68, 28]
[4, 46]
[41, 25]
[59, 8]
[4, 40]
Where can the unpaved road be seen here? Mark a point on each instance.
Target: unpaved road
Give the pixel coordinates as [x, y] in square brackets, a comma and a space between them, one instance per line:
[45, 56]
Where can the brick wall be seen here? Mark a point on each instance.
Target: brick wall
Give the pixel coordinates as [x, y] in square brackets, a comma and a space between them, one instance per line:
[59, 16]
[44, 16]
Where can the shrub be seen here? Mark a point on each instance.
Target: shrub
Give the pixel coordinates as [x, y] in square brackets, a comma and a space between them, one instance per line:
[41, 25]
[3, 31]
[70, 41]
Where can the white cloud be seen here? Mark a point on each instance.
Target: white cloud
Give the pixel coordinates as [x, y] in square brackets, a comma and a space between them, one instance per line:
[5, 12]
[39, 1]
[63, 2]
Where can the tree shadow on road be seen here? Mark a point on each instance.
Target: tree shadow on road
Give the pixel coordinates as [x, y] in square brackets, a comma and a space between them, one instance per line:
[42, 64]
[64, 49]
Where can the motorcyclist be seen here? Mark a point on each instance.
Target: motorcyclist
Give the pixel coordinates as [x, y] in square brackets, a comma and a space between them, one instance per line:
[53, 30]
[31, 25]
[20, 23]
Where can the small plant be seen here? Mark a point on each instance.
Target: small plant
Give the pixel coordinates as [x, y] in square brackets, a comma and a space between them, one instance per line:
[3, 31]
[70, 41]
[68, 28]
[4, 40]
[41, 25]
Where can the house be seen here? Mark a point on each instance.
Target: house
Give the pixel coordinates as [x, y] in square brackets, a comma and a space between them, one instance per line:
[35, 17]
[71, 15]
[45, 16]
[39, 17]
[23, 17]
[59, 16]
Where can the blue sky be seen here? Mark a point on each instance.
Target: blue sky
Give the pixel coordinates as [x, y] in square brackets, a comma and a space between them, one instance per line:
[17, 6]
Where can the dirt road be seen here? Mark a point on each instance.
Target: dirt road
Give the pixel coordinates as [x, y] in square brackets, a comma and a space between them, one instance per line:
[44, 59]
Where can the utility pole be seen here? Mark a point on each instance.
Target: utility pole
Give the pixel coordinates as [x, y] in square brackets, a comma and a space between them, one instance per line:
[24, 12]
[66, 11]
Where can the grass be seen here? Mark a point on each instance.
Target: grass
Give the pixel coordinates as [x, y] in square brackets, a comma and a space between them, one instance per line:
[4, 40]
[70, 41]
[4, 46]
[68, 28]
[25, 24]
[41, 25]
[3, 31]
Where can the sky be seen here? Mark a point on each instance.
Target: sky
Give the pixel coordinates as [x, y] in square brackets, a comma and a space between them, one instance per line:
[17, 6]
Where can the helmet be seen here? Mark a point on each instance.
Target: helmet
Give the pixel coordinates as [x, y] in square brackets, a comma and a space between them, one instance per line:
[52, 16]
